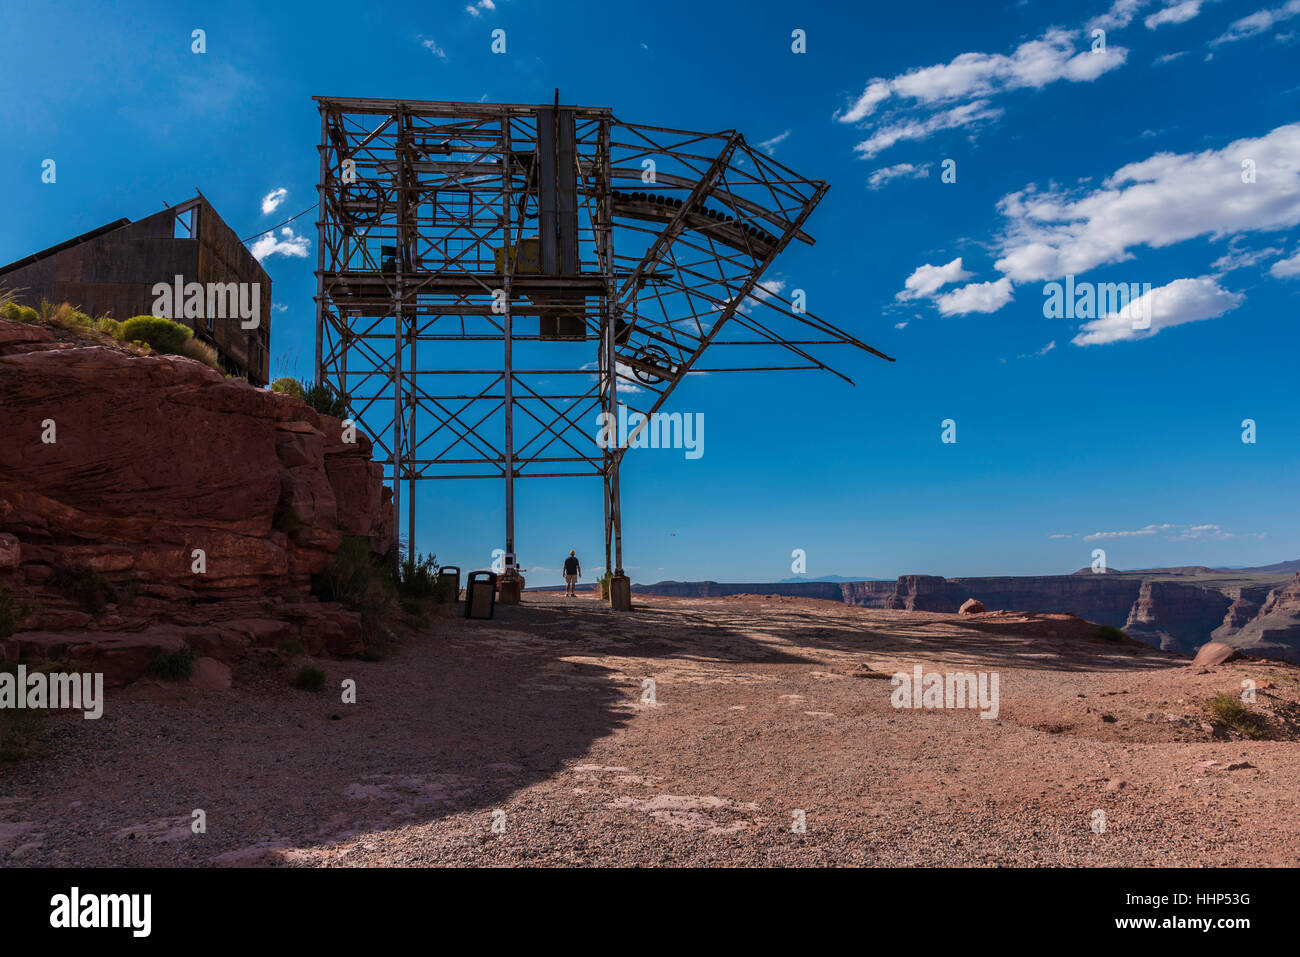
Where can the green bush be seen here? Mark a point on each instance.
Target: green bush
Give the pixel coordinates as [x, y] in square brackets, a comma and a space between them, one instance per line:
[1232, 711]
[17, 313]
[110, 326]
[1111, 633]
[324, 400]
[356, 579]
[174, 665]
[291, 648]
[309, 678]
[12, 611]
[88, 587]
[161, 335]
[289, 386]
[289, 522]
[21, 733]
[200, 351]
[418, 578]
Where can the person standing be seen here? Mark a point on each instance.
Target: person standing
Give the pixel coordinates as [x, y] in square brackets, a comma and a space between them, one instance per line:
[572, 572]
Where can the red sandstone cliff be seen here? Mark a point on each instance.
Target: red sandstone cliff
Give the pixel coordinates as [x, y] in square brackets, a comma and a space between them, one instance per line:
[151, 459]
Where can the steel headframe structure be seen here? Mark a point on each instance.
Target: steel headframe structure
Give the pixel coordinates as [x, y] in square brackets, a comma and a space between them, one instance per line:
[456, 239]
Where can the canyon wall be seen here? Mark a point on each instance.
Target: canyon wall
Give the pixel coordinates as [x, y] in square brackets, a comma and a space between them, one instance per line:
[1261, 617]
[147, 501]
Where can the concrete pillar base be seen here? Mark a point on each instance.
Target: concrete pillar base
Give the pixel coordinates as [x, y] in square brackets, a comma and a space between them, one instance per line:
[620, 593]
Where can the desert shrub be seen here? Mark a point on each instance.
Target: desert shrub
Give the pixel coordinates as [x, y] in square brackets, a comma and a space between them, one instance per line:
[22, 731]
[12, 611]
[1111, 633]
[291, 648]
[324, 400]
[200, 351]
[417, 577]
[161, 335]
[89, 588]
[173, 665]
[289, 386]
[17, 313]
[289, 522]
[109, 326]
[309, 678]
[67, 316]
[1232, 711]
[356, 579]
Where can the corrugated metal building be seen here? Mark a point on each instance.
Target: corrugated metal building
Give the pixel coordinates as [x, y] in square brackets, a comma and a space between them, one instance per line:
[113, 270]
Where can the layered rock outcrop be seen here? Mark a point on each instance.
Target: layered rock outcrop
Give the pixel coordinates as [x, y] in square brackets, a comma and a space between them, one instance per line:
[148, 500]
[1260, 617]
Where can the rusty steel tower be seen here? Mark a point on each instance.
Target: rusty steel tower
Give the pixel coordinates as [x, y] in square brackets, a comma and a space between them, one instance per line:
[490, 277]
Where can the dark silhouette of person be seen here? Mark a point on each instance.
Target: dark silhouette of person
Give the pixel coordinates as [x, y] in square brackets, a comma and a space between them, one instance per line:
[572, 572]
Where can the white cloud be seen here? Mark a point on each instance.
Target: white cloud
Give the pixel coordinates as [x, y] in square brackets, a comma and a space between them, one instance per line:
[974, 77]
[909, 170]
[272, 200]
[475, 9]
[964, 115]
[1236, 258]
[287, 243]
[1261, 21]
[927, 280]
[1286, 268]
[769, 146]
[1120, 15]
[1156, 202]
[1034, 64]
[433, 48]
[1175, 304]
[1174, 13]
[976, 297]
[1172, 532]
[1137, 533]
[1169, 58]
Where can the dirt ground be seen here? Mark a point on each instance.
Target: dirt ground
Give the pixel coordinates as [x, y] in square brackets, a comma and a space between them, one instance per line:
[767, 737]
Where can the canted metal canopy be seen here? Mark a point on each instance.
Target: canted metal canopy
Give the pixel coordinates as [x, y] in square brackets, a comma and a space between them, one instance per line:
[491, 277]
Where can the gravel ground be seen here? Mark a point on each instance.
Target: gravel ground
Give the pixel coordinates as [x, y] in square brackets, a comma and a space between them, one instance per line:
[769, 739]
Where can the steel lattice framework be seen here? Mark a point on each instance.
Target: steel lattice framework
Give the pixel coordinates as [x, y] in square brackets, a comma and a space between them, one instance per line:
[471, 256]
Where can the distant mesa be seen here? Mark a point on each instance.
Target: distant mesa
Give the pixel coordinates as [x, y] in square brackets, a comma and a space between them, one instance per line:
[1254, 610]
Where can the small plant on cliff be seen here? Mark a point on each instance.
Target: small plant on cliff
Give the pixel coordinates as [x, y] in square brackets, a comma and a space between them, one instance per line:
[418, 578]
[289, 386]
[356, 579]
[309, 678]
[109, 326]
[91, 590]
[159, 334]
[289, 522]
[324, 400]
[200, 351]
[22, 732]
[12, 611]
[1111, 633]
[291, 648]
[172, 665]
[17, 313]
[1232, 711]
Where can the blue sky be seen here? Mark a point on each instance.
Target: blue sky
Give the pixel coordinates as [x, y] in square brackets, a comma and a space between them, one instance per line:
[1117, 164]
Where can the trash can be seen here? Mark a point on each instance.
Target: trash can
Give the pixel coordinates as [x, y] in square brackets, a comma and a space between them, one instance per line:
[452, 574]
[480, 595]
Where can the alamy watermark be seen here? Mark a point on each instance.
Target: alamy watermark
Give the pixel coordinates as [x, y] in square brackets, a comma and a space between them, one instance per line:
[1097, 300]
[214, 300]
[658, 430]
[934, 690]
[39, 690]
